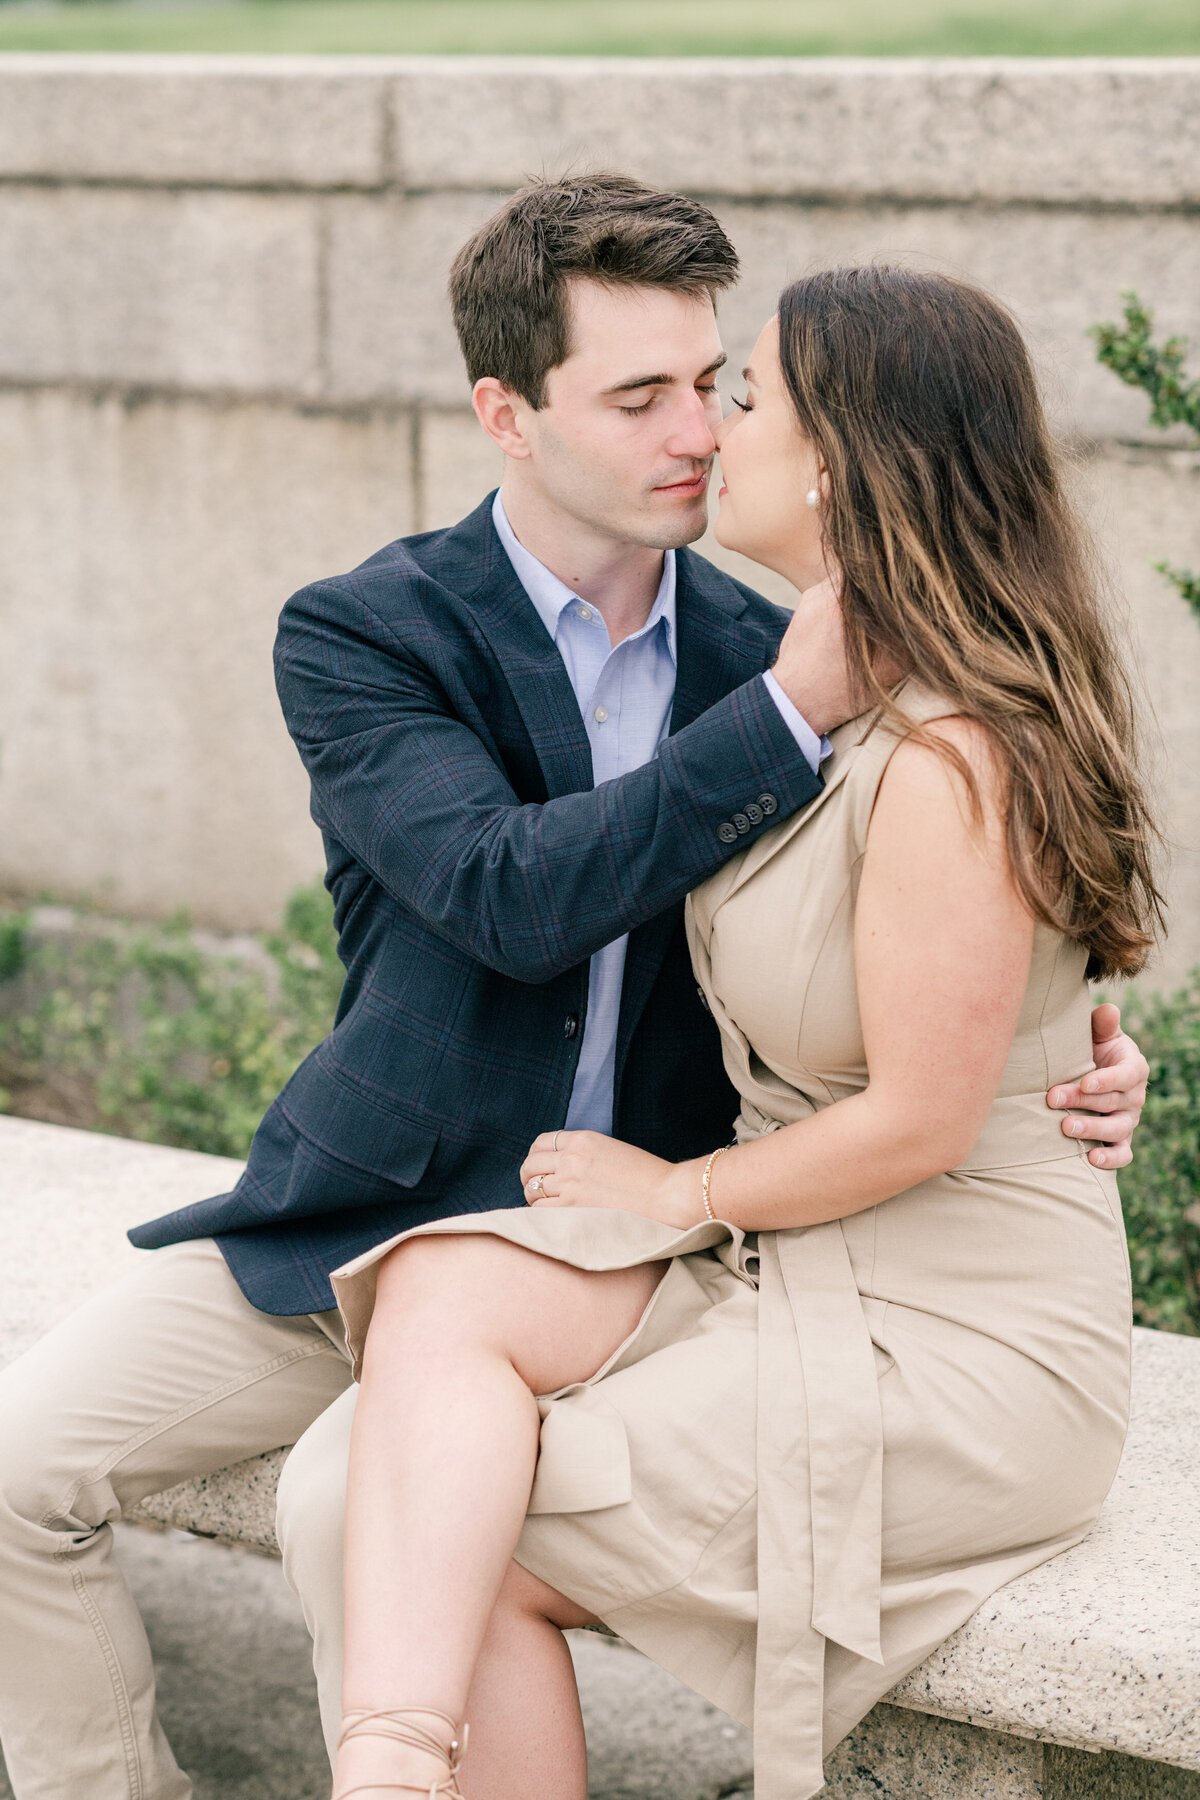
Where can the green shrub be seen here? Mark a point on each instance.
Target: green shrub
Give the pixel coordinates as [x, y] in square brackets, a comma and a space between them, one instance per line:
[1160, 1190]
[140, 1032]
[1130, 352]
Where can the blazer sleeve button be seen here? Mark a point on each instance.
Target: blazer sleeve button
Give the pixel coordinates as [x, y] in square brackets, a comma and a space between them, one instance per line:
[571, 1026]
[727, 832]
[769, 804]
[740, 823]
[754, 813]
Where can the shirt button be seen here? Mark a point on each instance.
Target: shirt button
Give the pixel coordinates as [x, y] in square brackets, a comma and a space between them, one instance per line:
[769, 804]
[571, 1026]
[601, 714]
[585, 612]
[727, 832]
[754, 813]
[740, 823]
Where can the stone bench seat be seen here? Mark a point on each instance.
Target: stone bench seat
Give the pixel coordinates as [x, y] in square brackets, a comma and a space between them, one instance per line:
[1097, 1651]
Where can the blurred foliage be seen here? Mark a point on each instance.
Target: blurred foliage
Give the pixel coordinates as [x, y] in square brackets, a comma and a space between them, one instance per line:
[141, 1032]
[617, 27]
[1130, 352]
[1160, 1190]
[1159, 370]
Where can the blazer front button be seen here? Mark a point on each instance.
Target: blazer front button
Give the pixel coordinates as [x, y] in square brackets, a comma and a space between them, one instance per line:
[727, 832]
[571, 1025]
[740, 823]
[769, 804]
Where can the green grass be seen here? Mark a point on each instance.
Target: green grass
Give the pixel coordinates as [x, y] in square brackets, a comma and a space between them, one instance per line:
[618, 27]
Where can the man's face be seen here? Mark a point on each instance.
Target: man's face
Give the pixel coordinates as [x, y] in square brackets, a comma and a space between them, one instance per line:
[624, 443]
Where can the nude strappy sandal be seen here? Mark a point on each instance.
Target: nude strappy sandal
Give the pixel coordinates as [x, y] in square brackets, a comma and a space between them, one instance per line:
[402, 1728]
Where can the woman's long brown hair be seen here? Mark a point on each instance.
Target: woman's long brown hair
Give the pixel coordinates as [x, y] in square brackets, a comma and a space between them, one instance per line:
[963, 564]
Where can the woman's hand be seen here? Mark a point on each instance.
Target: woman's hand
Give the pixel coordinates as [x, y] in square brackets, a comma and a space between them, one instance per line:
[585, 1168]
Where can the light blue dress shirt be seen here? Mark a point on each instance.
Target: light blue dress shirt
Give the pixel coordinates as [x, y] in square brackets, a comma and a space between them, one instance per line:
[625, 696]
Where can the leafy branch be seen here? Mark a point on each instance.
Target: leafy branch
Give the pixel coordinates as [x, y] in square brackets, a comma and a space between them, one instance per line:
[1130, 352]
[1158, 369]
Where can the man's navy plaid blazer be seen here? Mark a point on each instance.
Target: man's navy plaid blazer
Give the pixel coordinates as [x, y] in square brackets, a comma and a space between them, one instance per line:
[474, 870]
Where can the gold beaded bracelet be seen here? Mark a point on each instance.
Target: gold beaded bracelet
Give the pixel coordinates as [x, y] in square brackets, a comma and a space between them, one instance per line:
[706, 1180]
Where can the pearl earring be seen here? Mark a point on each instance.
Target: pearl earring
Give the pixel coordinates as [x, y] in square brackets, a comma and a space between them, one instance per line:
[813, 497]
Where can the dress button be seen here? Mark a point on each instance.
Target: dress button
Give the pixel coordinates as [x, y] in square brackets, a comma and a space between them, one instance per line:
[601, 714]
[769, 804]
[703, 998]
[741, 823]
[754, 813]
[727, 832]
[571, 1025]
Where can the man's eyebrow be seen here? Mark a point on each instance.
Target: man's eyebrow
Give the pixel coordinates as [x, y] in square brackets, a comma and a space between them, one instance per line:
[660, 380]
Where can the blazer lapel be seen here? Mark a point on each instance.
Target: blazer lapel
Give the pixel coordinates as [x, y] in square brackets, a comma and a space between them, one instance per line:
[529, 657]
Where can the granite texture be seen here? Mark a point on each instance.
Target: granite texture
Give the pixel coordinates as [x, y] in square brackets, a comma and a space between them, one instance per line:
[149, 543]
[898, 1755]
[275, 121]
[1074, 1775]
[1078, 131]
[1098, 1649]
[226, 368]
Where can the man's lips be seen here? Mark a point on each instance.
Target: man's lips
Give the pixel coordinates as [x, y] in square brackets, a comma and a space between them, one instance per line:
[696, 485]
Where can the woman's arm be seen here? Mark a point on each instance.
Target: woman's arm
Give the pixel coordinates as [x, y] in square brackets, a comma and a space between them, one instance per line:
[942, 948]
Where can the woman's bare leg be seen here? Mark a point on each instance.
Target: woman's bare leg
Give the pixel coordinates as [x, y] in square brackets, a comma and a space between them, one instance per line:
[466, 1331]
[526, 1728]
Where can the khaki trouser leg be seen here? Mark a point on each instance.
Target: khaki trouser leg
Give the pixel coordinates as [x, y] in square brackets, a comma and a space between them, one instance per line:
[311, 1526]
[166, 1374]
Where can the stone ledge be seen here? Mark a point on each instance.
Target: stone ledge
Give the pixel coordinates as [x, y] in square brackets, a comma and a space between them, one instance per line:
[1080, 131]
[168, 120]
[1098, 1650]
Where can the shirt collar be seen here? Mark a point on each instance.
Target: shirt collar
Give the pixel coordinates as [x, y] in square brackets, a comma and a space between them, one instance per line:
[551, 597]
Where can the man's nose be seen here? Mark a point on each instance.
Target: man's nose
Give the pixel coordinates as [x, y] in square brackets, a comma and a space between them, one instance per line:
[692, 429]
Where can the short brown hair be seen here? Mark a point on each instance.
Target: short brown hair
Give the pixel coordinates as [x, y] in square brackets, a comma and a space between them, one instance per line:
[508, 285]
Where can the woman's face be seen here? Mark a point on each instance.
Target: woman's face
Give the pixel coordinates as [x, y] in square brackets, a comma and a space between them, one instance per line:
[768, 468]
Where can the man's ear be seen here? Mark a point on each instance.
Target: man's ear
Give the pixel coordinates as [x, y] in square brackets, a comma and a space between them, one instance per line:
[500, 412]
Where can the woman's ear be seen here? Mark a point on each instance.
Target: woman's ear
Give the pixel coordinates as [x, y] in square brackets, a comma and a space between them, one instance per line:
[499, 411]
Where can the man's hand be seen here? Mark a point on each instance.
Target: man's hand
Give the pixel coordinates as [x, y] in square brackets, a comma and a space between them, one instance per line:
[811, 666]
[1116, 1090]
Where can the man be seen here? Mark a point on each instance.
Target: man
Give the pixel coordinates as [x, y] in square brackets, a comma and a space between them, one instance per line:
[528, 737]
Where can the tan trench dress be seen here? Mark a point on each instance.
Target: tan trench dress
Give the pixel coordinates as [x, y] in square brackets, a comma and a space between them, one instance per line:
[823, 1448]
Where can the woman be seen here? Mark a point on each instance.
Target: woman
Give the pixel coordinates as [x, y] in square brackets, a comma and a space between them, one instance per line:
[801, 1407]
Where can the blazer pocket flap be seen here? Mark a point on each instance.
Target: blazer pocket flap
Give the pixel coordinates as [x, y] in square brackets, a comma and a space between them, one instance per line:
[583, 1461]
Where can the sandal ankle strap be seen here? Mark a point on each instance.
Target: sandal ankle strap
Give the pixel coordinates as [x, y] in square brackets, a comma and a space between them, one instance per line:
[402, 1727]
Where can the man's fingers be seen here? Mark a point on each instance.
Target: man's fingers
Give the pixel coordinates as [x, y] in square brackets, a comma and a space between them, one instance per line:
[1114, 1128]
[1126, 1078]
[1106, 1022]
[1075, 1100]
[1118, 1156]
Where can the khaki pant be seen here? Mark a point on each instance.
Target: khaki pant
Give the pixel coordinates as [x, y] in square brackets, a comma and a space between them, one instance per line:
[168, 1373]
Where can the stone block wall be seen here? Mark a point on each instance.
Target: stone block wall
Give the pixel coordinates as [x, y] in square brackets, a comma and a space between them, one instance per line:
[226, 367]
